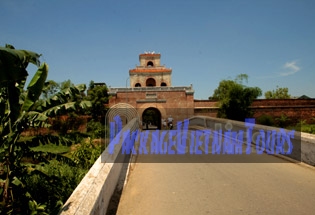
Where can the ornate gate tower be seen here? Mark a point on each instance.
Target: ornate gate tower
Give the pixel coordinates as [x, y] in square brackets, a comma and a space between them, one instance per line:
[152, 94]
[150, 73]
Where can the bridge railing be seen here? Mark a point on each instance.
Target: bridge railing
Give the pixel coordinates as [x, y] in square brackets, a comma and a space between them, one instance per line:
[94, 192]
[304, 143]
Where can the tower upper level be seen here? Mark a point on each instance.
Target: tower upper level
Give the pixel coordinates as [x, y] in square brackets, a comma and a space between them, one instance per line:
[149, 59]
[150, 73]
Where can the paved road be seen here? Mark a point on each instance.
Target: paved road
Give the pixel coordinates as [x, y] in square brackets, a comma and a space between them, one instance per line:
[219, 188]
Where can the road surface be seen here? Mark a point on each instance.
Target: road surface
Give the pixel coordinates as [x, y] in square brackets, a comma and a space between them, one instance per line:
[271, 187]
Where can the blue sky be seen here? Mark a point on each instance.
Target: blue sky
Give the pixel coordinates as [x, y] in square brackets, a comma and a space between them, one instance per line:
[203, 41]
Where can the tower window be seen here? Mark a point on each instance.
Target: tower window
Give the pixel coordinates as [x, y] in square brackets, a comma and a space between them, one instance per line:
[163, 84]
[150, 63]
[138, 85]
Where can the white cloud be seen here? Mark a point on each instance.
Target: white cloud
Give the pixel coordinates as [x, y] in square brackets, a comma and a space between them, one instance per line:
[291, 68]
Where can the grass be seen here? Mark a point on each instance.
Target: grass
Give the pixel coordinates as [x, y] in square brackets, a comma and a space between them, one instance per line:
[60, 149]
[307, 128]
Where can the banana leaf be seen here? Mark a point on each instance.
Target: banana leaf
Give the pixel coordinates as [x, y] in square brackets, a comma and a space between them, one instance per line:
[13, 63]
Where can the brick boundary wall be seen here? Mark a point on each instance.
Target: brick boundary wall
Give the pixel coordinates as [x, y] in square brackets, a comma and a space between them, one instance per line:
[295, 109]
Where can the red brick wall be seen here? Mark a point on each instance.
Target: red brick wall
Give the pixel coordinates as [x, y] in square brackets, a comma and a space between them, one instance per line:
[206, 108]
[283, 102]
[205, 103]
[295, 109]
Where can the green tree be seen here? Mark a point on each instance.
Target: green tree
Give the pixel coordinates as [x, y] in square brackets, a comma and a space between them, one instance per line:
[50, 88]
[20, 110]
[235, 98]
[279, 93]
[77, 97]
[98, 96]
[66, 84]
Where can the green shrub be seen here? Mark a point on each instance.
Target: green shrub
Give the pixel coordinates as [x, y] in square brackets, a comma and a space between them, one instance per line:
[96, 129]
[64, 124]
[266, 120]
[86, 154]
[308, 128]
[76, 136]
[283, 121]
[53, 184]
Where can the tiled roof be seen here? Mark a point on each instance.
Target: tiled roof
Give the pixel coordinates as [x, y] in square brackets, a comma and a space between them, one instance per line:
[146, 70]
[150, 54]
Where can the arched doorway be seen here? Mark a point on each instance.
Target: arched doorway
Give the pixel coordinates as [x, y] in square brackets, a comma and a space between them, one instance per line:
[150, 63]
[150, 82]
[151, 118]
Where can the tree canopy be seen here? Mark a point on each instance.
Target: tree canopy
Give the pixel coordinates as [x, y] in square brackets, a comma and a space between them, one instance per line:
[279, 93]
[235, 98]
[98, 96]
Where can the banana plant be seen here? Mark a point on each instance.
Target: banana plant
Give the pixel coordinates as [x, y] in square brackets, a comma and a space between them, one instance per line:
[20, 110]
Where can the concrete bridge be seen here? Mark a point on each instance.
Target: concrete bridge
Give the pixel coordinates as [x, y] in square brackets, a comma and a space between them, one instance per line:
[214, 166]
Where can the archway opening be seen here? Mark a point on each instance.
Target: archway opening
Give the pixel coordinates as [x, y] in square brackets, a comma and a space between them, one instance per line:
[138, 85]
[150, 82]
[151, 119]
[150, 63]
[163, 84]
